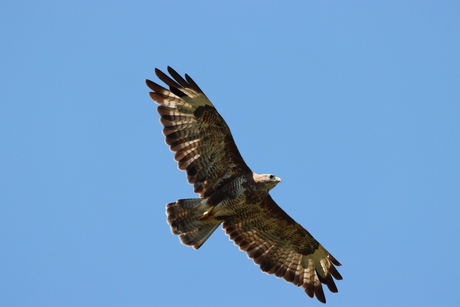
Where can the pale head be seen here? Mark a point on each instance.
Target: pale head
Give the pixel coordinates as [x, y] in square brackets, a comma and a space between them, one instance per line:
[269, 180]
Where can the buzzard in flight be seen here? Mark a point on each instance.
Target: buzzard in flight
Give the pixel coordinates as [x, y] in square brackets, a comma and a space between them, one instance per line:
[231, 194]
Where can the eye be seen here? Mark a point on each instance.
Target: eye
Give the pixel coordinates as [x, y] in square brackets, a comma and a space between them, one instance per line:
[271, 177]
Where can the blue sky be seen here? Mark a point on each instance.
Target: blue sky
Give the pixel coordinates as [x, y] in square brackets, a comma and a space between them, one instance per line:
[354, 104]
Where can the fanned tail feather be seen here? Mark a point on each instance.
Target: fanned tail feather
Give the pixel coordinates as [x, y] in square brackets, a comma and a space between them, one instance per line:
[183, 217]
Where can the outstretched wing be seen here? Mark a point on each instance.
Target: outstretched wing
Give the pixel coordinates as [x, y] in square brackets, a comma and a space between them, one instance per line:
[283, 247]
[196, 132]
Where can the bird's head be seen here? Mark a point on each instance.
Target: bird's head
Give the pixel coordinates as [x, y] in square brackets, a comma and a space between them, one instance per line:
[269, 180]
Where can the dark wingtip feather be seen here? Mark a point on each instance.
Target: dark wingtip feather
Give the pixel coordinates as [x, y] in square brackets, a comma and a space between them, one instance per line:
[319, 293]
[309, 290]
[158, 72]
[193, 84]
[178, 77]
[333, 260]
[166, 79]
[153, 86]
[335, 273]
[331, 284]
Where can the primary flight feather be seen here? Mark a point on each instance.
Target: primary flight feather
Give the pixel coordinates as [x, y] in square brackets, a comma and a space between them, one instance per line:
[231, 194]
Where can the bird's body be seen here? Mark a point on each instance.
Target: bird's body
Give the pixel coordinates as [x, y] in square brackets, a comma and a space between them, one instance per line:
[237, 196]
[231, 194]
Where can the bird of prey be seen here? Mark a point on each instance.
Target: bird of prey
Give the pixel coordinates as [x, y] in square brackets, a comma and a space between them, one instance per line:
[231, 194]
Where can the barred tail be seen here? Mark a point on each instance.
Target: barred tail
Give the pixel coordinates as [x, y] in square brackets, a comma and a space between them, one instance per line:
[183, 217]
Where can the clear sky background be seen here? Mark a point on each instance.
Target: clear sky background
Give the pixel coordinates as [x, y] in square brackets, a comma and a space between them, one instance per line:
[354, 104]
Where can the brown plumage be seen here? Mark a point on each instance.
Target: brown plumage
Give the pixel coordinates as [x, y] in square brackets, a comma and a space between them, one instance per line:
[231, 194]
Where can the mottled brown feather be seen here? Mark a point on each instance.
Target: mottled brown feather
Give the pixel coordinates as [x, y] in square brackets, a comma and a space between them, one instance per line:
[197, 133]
[283, 247]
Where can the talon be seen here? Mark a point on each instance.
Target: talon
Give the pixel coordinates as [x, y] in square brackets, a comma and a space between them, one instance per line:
[205, 214]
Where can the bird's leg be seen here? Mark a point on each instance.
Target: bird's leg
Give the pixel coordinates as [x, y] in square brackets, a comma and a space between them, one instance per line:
[206, 214]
